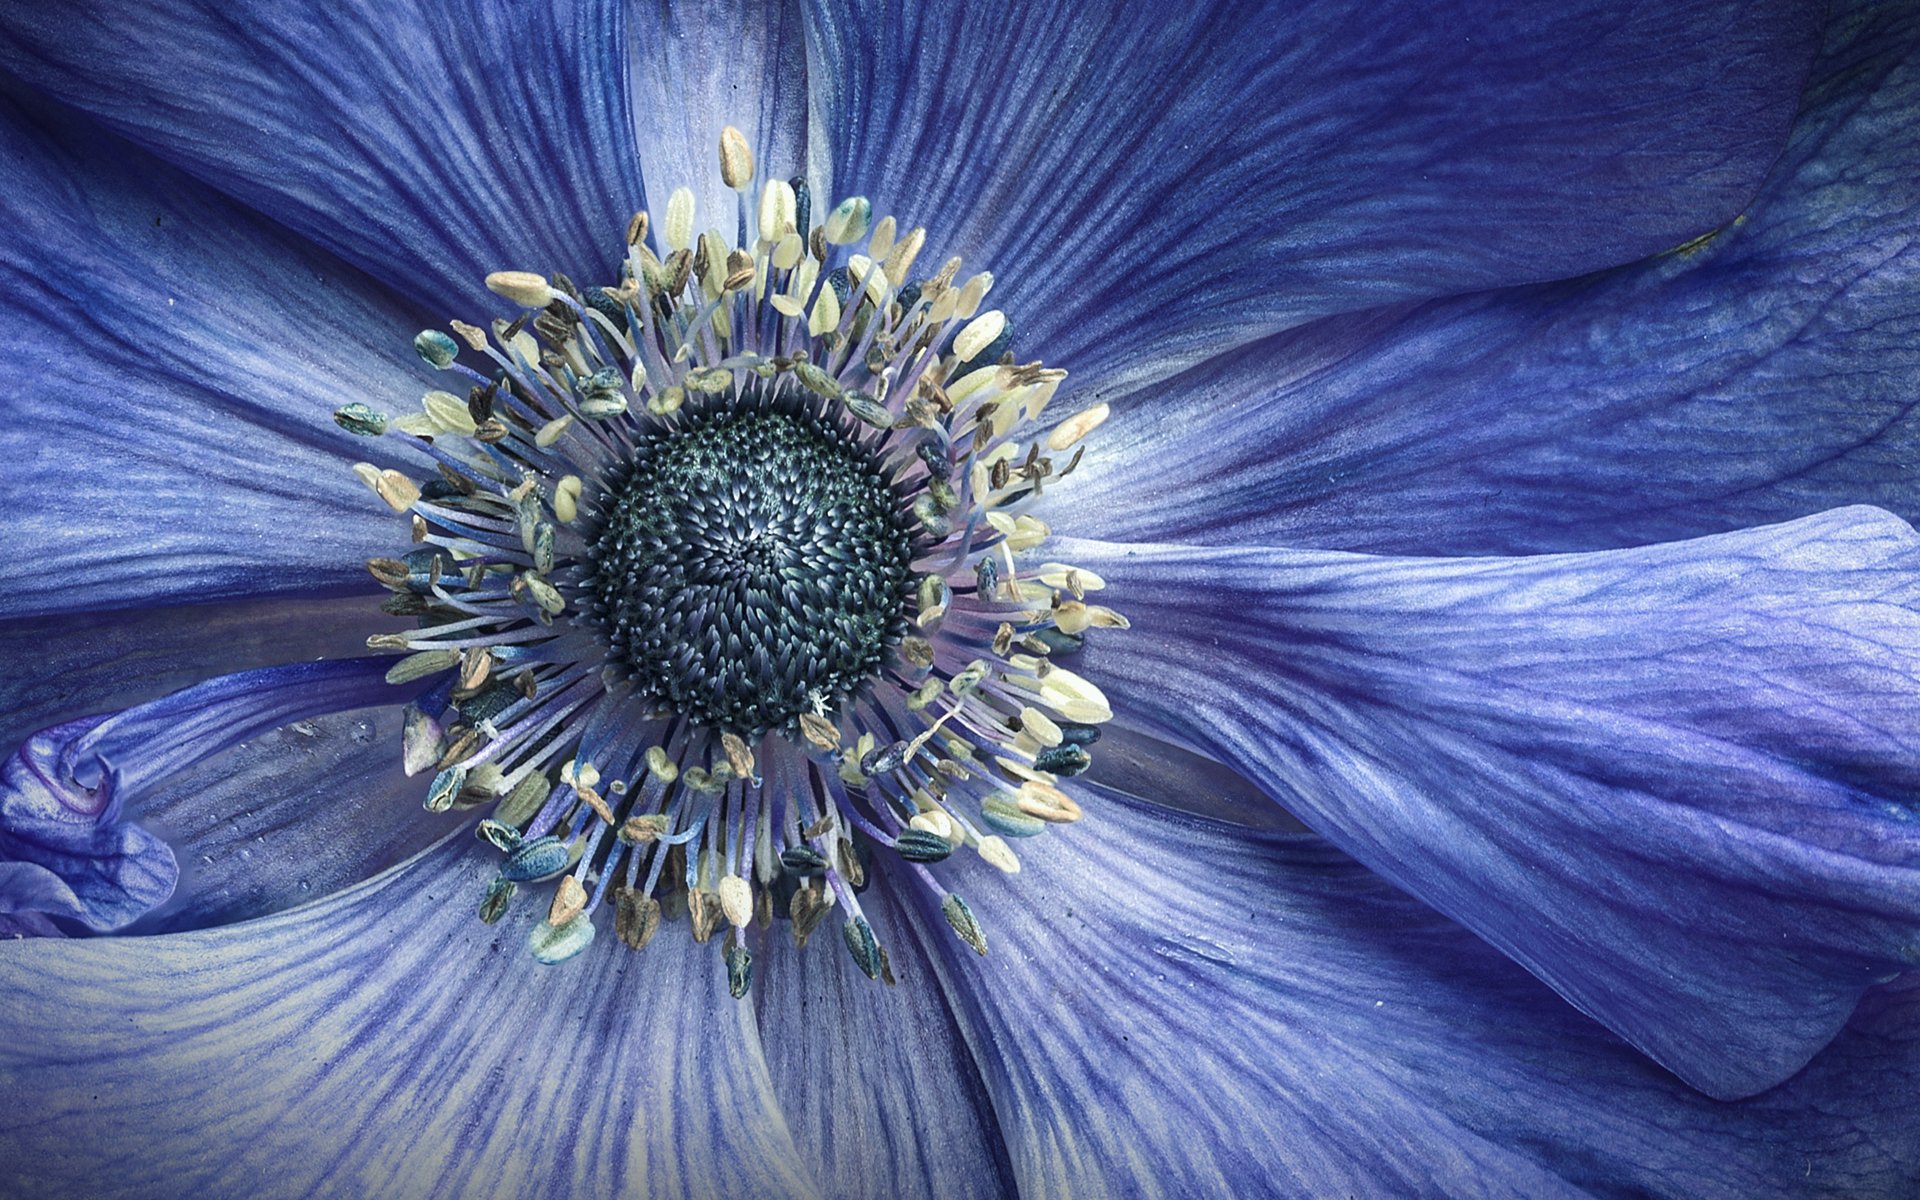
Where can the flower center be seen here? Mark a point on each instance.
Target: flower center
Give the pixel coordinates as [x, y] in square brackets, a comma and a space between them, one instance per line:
[724, 586]
[752, 567]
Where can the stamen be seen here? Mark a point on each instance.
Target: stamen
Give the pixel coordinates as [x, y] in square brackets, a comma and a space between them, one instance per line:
[721, 592]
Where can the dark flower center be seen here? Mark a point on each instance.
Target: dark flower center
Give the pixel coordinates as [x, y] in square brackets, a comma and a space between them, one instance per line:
[753, 566]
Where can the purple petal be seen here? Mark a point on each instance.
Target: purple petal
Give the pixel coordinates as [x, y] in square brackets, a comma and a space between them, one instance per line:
[1171, 999]
[428, 142]
[1151, 183]
[167, 434]
[1677, 783]
[1764, 375]
[70, 666]
[383, 1042]
[699, 68]
[64, 847]
[878, 1085]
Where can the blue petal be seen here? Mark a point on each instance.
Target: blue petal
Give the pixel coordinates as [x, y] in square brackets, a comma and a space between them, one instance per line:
[167, 432]
[64, 848]
[1679, 784]
[699, 68]
[1150, 183]
[878, 1084]
[1167, 999]
[427, 141]
[81, 663]
[1764, 375]
[383, 1042]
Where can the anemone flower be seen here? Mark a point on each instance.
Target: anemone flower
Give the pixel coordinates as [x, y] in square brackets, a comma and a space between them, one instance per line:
[1481, 740]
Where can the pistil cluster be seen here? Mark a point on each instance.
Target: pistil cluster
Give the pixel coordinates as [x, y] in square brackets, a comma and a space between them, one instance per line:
[724, 586]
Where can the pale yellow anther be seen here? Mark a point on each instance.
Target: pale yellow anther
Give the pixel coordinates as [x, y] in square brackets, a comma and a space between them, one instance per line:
[736, 159]
[679, 225]
[569, 901]
[979, 334]
[826, 313]
[865, 271]
[1041, 726]
[472, 335]
[1074, 698]
[1079, 425]
[566, 498]
[779, 209]
[972, 383]
[848, 221]
[522, 287]
[739, 754]
[788, 251]
[937, 823]
[1065, 575]
[972, 293]
[550, 433]
[995, 850]
[736, 900]
[1105, 618]
[449, 412]
[900, 260]
[1072, 617]
[1047, 802]
[820, 731]
[396, 489]
[660, 765]
[881, 243]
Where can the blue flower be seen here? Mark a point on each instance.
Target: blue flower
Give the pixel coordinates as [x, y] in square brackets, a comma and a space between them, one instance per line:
[1522, 586]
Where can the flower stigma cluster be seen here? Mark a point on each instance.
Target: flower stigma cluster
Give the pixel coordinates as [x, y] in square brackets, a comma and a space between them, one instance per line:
[726, 592]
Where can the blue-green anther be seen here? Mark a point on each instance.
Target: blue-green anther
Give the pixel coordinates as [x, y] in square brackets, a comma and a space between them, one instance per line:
[922, 846]
[1066, 760]
[362, 419]
[502, 837]
[553, 944]
[863, 946]
[961, 918]
[739, 968]
[446, 785]
[536, 859]
[494, 905]
[1002, 814]
[437, 348]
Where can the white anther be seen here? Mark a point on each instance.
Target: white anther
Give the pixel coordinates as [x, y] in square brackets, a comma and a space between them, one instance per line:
[1079, 425]
[522, 287]
[881, 244]
[979, 334]
[679, 225]
[736, 159]
[848, 221]
[995, 850]
[826, 313]
[566, 498]
[778, 211]
[449, 412]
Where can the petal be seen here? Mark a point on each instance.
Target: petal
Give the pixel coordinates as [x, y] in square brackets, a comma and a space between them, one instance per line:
[286, 817]
[383, 1042]
[1202, 175]
[1171, 999]
[166, 429]
[80, 663]
[427, 142]
[64, 847]
[877, 1083]
[1763, 375]
[699, 68]
[1677, 783]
